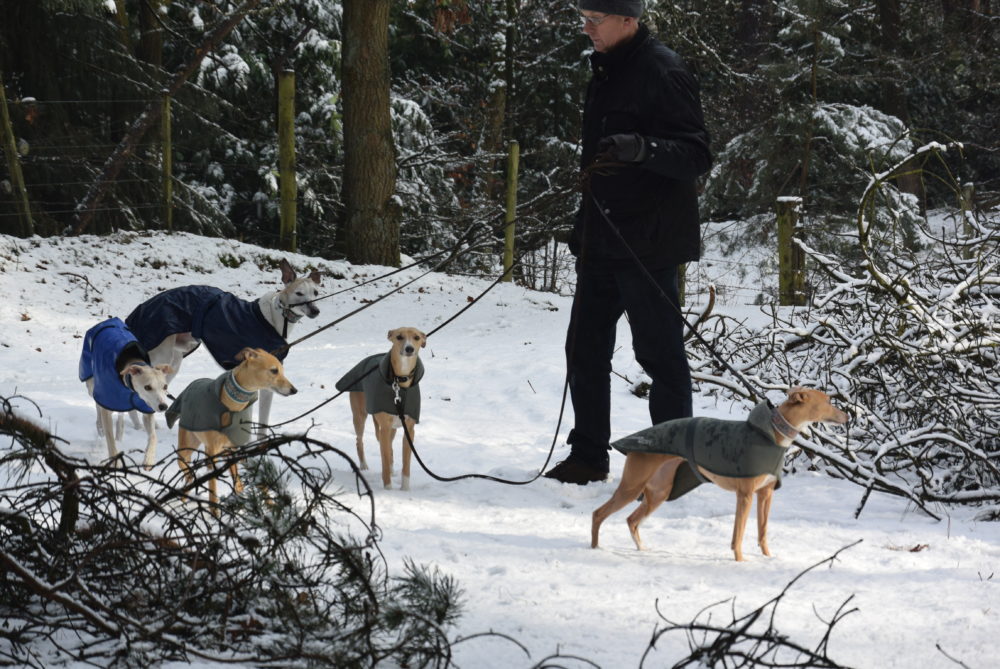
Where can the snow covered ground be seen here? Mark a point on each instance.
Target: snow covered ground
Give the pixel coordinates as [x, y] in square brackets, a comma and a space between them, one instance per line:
[491, 401]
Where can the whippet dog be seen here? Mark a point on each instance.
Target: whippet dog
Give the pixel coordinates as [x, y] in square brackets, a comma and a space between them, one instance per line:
[385, 386]
[175, 322]
[120, 378]
[216, 412]
[667, 460]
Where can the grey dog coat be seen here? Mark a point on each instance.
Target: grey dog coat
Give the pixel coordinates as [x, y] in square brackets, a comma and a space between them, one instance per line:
[739, 449]
[105, 346]
[200, 409]
[373, 376]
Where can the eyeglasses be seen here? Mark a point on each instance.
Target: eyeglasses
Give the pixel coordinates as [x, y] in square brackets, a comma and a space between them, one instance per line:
[593, 20]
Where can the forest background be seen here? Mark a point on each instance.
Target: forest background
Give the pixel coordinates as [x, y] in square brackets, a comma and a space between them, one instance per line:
[802, 98]
[881, 118]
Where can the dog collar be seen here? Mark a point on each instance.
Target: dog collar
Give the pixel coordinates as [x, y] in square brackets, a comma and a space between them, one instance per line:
[782, 426]
[235, 391]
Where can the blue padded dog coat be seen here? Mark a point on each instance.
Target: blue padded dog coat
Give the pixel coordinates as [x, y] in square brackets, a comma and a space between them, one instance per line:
[103, 346]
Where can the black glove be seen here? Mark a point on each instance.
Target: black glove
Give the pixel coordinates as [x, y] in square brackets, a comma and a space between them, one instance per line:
[623, 148]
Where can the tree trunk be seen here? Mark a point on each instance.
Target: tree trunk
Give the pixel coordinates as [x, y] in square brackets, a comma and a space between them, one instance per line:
[372, 213]
[894, 96]
[754, 20]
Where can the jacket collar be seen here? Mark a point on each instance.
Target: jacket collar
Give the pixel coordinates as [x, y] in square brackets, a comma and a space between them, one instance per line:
[604, 62]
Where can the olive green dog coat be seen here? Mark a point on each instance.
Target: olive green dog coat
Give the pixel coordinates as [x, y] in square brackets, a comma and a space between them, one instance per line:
[373, 376]
[200, 409]
[739, 449]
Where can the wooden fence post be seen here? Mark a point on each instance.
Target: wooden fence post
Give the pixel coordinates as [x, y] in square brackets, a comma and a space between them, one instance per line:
[791, 259]
[287, 185]
[167, 163]
[14, 165]
[513, 155]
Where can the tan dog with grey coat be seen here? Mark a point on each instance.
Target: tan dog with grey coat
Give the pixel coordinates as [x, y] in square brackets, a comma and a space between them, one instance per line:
[216, 412]
[384, 386]
[745, 457]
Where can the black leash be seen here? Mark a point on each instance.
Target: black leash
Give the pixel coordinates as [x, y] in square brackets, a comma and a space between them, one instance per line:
[400, 409]
[711, 349]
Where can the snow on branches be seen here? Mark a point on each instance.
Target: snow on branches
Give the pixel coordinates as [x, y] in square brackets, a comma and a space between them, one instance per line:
[907, 339]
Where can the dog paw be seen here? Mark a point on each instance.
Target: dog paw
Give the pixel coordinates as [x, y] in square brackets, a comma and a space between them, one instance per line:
[405, 485]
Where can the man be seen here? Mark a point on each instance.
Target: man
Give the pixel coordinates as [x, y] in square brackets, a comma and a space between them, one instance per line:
[643, 125]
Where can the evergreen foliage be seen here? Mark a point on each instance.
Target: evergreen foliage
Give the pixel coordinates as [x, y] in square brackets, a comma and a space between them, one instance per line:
[135, 571]
[801, 97]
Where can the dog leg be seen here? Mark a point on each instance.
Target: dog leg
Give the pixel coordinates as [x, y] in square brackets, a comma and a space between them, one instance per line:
[213, 496]
[744, 498]
[359, 416]
[149, 424]
[105, 425]
[186, 446]
[264, 398]
[385, 433]
[234, 471]
[639, 467]
[407, 452]
[119, 426]
[764, 496]
[657, 490]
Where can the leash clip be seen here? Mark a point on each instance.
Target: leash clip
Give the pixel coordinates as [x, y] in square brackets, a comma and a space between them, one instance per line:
[395, 389]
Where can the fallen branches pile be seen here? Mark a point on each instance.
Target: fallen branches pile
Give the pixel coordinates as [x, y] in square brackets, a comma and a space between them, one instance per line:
[110, 565]
[753, 639]
[907, 341]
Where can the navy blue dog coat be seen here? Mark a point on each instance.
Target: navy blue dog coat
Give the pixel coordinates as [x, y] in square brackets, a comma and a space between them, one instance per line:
[226, 323]
[103, 346]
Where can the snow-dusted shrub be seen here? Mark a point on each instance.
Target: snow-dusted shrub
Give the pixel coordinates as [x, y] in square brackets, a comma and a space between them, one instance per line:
[113, 567]
[908, 342]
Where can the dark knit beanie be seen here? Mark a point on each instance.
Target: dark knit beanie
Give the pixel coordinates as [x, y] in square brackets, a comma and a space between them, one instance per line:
[621, 7]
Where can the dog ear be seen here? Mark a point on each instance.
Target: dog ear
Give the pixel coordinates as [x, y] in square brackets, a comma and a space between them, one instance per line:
[423, 339]
[166, 369]
[246, 353]
[389, 336]
[132, 369]
[316, 276]
[287, 272]
[797, 395]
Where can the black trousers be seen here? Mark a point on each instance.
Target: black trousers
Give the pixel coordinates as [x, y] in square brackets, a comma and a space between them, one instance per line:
[602, 296]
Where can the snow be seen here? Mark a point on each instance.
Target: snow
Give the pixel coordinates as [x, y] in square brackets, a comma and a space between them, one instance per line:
[491, 400]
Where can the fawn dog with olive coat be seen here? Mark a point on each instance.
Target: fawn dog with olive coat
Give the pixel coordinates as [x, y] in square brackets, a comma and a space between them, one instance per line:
[656, 456]
[385, 386]
[216, 412]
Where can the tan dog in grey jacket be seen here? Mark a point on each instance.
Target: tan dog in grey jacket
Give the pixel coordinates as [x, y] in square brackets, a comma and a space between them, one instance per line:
[374, 384]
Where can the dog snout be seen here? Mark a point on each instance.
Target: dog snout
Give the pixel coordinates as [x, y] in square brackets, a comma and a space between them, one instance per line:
[408, 349]
[162, 406]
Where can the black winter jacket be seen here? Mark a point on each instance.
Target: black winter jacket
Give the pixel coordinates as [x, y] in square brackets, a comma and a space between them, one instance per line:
[643, 87]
